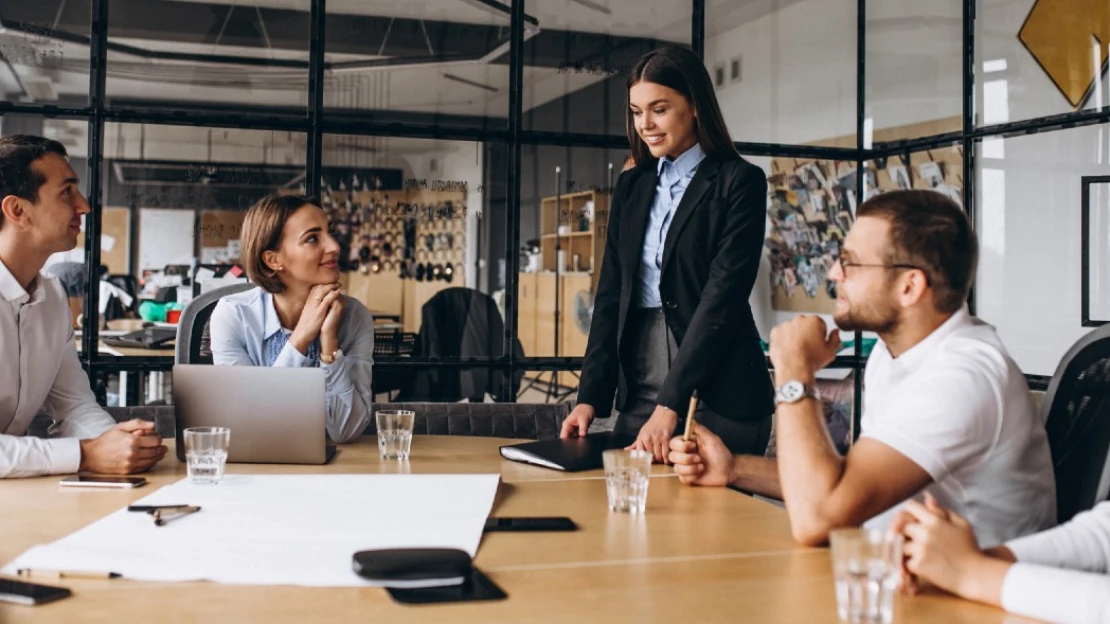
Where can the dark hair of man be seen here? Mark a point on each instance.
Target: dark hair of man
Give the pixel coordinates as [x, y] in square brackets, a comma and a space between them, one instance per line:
[680, 69]
[18, 177]
[930, 231]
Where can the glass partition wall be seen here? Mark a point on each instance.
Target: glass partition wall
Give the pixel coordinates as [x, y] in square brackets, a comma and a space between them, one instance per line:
[475, 144]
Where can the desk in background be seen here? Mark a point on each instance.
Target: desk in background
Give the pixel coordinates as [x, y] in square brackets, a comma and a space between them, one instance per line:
[699, 554]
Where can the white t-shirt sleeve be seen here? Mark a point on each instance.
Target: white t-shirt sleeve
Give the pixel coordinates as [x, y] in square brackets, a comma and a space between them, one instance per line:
[942, 418]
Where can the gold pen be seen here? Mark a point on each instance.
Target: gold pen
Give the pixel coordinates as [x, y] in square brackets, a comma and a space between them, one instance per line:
[64, 574]
[161, 516]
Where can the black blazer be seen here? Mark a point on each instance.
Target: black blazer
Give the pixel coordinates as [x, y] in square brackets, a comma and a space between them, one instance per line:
[710, 261]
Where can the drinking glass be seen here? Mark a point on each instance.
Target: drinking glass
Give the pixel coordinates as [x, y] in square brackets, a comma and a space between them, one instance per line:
[206, 453]
[626, 479]
[394, 433]
[866, 567]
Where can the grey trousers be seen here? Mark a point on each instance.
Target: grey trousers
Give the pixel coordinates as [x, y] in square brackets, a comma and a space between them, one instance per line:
[651, 350]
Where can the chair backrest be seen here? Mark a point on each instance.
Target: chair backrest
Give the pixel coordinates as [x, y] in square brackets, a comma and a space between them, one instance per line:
[460, 323]
[1076, 409]
[193, 345]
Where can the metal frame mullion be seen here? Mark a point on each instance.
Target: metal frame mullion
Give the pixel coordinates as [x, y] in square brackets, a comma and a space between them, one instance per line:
[317, 43]
[513, 186]
[861, 162]
[969, 123]
[697, 29]
[98, 73]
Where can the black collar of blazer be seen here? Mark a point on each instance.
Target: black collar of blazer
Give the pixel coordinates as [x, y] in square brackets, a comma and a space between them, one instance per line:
[643, 194]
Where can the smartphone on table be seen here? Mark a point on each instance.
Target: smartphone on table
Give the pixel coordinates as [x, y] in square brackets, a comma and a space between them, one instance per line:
[102, 482]
[20, 592]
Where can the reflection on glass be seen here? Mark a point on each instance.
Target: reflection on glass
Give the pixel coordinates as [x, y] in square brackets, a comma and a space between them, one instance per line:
[420, 61]
[1029, 221]
[795, 78]
[184, 53]
[564, 217]
[575, 66]
[914, 68]
[410, 217]
[40, 61]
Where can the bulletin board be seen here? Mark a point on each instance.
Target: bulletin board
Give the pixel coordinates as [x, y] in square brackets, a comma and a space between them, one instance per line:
[812, 204]
[115, 240]
[220, 231]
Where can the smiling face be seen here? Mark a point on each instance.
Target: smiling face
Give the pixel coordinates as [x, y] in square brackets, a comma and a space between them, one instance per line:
[664, 119]
[53, 221]
[307, 254]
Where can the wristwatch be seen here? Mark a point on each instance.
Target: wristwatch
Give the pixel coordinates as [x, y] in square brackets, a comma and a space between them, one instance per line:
[794, 391]
[329, 359]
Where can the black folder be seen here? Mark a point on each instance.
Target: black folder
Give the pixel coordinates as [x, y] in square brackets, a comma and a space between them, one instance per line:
[571, 455]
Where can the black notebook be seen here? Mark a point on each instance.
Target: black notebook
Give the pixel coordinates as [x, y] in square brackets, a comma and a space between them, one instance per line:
[570, 455]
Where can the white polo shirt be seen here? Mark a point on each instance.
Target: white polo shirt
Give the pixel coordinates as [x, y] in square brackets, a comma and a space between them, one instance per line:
[39, 369]
[959, 407]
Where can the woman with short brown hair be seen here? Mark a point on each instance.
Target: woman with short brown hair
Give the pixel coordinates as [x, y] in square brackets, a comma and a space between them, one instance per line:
[297, 315]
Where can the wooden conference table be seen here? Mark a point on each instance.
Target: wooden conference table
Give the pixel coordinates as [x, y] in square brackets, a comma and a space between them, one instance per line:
[699, 554]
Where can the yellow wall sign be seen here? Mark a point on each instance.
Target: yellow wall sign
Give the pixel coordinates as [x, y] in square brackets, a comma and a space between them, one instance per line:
[1062, 35]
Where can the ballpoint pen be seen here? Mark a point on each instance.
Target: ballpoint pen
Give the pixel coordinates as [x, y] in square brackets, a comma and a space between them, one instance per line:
[161, 516]
[153, 508]
[64, 574]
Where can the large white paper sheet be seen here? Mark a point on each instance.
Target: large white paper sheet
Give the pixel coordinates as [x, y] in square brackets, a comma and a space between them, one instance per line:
[277, 530]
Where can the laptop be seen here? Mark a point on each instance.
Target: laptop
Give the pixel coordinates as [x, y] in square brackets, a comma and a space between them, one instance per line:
[145, 338]
[570, 455]
[276, 415]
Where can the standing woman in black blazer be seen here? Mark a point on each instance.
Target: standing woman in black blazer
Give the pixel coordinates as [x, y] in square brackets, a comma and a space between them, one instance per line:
[685, 237]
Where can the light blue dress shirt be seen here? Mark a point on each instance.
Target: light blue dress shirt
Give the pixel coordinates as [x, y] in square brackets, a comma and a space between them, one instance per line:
[674, 177]
[245, 331]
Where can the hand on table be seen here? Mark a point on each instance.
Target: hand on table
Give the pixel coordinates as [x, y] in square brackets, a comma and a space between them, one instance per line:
[656, 434]
[127, 448]
[578, 422]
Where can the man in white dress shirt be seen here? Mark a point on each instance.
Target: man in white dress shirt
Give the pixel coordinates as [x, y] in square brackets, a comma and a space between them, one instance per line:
[945, 408]
[40, 214]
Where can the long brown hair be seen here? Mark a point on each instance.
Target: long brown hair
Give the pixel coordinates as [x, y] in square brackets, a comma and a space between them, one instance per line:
[680, 69]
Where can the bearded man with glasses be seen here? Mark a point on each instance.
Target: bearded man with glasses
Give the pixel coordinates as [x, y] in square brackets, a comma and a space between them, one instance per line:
[945, 409]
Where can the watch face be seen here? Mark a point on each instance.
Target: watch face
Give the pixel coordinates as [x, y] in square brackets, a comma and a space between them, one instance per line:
[792, 391]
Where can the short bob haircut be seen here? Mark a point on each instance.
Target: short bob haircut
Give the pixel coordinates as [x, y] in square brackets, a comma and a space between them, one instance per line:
[262, 230]
[680, 69]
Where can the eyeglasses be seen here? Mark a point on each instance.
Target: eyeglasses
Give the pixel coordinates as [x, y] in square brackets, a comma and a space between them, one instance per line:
[846, 264]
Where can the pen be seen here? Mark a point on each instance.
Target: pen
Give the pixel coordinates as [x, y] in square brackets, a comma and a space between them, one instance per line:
[177, 512]
[153, 508]
[61, 574]
[690, 417]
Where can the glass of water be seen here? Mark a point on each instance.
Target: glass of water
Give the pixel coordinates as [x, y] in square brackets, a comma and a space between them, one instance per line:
[206, 453]
[395, 433]
[867, 564]
[626, 479]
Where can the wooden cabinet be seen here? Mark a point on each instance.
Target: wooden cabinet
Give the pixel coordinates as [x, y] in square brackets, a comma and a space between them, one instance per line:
[573, 229]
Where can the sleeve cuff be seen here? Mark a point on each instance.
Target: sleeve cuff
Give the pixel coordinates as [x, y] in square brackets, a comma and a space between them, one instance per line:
[65, 455]
[335, 375]
[290, 357]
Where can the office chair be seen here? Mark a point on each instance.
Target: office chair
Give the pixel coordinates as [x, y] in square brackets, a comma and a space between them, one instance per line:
[460, 323]
[193, 341]
[129, 285]
[1076, 409]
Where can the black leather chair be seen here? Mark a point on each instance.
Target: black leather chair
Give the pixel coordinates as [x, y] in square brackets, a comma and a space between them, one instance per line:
[1076, 409]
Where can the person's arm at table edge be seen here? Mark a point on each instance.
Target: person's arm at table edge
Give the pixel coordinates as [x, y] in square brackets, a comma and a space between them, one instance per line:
[823, 490]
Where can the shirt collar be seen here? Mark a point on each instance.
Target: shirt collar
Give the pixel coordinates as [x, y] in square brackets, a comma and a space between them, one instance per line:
[685, 164]
[915, 355]
[271, 323]
[12, 291]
